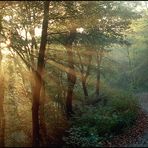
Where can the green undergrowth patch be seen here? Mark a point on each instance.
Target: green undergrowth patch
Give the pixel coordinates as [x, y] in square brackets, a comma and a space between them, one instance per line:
[94, 124]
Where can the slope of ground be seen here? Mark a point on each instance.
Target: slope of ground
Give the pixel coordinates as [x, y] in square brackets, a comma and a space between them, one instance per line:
[137, 136]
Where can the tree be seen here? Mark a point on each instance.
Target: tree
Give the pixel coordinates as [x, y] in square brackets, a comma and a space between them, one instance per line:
[84, 66]
[38, 78]
[2, 115]
[137, 36]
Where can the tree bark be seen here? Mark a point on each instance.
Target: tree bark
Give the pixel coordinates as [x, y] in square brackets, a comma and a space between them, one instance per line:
[33, 46]
[84, 88]
[98, 81]
[2, 115]
[84, 77]
[71, 75]
[35, 111]
[44, 135]
[71, 83]
[131, 66]
[38, 79]
[99, 59]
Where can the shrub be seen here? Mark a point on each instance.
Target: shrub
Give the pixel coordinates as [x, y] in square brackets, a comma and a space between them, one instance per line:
[102, 122]
[82, 136]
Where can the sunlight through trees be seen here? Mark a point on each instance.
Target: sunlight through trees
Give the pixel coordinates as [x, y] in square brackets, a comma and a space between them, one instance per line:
[69, 71]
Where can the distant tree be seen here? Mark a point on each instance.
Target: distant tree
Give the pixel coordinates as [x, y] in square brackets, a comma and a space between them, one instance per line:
[137, 35]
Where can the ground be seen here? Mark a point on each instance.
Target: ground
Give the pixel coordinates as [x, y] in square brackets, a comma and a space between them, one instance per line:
[142, 140]
[137, 136]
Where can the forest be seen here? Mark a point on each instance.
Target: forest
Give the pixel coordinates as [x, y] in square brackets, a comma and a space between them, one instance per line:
[73, 73]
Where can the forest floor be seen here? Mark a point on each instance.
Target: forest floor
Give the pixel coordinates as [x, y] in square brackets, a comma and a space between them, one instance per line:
[137, 136]
[142, 140]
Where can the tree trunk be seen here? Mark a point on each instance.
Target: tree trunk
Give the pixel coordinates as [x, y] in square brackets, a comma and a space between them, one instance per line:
[2, 115]
[33, 47]
[71, 83]
[131, 66]
[71, 75]
[69, 109]
[84, 88]
[44, 135]
[35, 110]
[84, 77]
[98, 81]
[99, 58]
[38, 79]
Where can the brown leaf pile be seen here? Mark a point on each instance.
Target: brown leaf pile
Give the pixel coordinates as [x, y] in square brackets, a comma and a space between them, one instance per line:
[131, 135]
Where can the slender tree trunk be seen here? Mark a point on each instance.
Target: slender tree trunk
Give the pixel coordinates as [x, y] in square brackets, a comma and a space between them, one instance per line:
[35, 110]
[38, 79]
[84, 88]
[2, 119]
[43, 127]
[131, 66]
[33, 46]
[2, 115]
[99, 57]
[71, 83]
[69, 109]
[84, 77]
[71, 75]
[98, 81]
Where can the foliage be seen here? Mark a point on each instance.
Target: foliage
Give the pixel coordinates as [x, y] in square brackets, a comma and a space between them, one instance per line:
[82, 136]
[103, 121]
[81, 35]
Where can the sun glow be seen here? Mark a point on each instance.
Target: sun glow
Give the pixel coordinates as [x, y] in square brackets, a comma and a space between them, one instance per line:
[5, 51]
[80, 30]
[38, 31]
[7, 18]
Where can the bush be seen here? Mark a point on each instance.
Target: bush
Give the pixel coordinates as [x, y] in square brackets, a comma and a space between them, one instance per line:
[82, 136]
[102, 122]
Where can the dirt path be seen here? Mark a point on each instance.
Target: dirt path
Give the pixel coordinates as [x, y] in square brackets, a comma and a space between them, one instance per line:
[142, 141]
